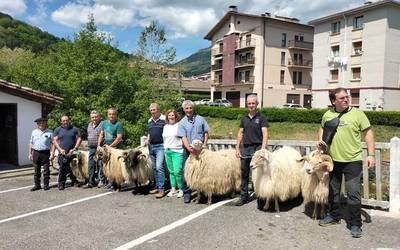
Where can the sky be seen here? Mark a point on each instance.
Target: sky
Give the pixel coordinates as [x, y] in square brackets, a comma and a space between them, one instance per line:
[186, 21]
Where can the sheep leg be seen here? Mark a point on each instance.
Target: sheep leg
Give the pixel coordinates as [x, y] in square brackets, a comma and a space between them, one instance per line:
[277, 206]
[209, 200]
[322, 210]
[260, 203]
[198, 197]
[314, 214]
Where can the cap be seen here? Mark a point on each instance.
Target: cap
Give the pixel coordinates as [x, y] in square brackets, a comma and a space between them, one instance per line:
[41, 119]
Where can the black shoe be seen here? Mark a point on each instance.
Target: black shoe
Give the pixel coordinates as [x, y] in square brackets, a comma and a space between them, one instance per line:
[61, 187]
[75, 182]
[327, 221]
[186, 198]
[239, 203]
[46, 188]
[35, 188]
[356, 231]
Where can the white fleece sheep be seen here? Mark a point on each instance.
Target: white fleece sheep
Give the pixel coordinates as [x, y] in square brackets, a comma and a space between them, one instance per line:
[212, 173]
[80, 164]
[315, 183]
[276, 175]
[114, 165]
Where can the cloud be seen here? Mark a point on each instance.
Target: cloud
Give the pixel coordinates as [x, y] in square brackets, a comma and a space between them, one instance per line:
[75, 14]
[188, 18]
[41, 11]
[13, 7]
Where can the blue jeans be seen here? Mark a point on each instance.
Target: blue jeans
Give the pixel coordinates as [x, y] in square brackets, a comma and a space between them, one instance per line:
[92, 166]
[157, 158]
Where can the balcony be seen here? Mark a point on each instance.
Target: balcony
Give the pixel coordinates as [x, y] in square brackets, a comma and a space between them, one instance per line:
[217, 51]
[244, 62]
[307, 64]
[216, 82]
[216, 67]
[293, 44]
[245, 43]
[247, 80]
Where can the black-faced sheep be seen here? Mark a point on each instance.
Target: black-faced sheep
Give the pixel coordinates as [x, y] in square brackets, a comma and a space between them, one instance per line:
[140, 166]
[276, 175]
[212, 173]
[315, 183]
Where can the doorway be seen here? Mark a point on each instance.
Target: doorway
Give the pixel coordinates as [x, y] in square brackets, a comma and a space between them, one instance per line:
[8, 133]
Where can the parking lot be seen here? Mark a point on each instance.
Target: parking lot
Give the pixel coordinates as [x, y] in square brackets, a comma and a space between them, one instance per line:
[78, 218]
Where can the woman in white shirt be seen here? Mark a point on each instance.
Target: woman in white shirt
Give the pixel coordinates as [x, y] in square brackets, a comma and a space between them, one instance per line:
[173, 152]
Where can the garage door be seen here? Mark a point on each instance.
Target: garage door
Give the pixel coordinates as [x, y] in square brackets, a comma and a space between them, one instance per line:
[234, 98]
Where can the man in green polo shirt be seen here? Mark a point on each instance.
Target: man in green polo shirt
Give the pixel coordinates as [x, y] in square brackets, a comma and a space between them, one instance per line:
[346, 152]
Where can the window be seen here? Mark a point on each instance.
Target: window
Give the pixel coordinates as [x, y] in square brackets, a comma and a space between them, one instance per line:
[297, 59]
[299, 38]
[334, 74]
[248, 40]
[283, 54]
[282, 77]
[297, 77]
[293, 98]
[358, 22]
[335, 51]
[221, 47]
[356, 73]
[355, 97]
[335, 28]
[283, 40]
[357, 48]
[247, 76]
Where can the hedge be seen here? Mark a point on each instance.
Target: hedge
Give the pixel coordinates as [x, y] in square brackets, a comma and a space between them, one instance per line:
[387, 118]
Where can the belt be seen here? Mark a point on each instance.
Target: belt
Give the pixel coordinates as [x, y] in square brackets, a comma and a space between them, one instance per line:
[42, 151]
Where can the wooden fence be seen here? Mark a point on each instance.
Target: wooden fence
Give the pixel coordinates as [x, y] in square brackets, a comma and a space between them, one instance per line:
[373, 180]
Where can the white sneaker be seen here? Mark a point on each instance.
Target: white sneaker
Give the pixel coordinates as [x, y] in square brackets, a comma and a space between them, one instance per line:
[172, 193]
[179, 194]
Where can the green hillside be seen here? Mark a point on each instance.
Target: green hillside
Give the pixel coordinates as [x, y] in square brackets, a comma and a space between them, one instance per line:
[197, 63]
[17, 34]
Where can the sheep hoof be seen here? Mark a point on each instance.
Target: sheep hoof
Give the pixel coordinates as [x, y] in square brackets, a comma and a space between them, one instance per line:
[261, 204]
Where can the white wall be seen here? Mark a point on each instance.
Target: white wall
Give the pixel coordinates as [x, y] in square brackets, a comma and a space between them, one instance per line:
[27, 112]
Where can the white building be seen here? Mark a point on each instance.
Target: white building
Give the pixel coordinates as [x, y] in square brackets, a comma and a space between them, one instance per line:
[19, 107]
[358, 49]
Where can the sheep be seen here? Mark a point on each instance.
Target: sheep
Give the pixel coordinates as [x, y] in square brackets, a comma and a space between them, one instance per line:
[212, 173]
[80, 164]
[276, 176]
[140, 166]
[315, 183]
[114, 165]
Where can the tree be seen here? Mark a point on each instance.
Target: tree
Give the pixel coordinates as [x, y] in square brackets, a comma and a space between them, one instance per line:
[153, 45]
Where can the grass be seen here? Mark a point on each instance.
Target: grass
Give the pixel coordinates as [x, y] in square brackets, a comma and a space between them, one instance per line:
[227, 129]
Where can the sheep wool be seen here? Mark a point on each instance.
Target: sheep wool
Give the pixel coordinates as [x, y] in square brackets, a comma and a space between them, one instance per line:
[213, 173]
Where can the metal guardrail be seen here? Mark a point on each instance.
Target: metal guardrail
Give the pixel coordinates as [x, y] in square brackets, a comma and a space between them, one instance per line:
[245, 43]
[250, 61]
[301, 63]
[300, 44]
[392, 200]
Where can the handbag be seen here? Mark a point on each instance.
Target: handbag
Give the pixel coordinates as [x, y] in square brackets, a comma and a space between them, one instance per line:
[330, 128]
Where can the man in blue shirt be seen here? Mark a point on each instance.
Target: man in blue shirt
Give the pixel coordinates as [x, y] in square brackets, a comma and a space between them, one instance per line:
[191, 127]
[66, 140]
[155, 141]
[40, 153]
[111, 134]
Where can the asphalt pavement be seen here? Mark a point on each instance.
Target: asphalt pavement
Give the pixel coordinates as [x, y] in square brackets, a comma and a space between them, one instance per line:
[78, 218]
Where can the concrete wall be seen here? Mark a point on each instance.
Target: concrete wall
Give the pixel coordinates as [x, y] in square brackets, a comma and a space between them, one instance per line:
[392, 55]
[27, 112]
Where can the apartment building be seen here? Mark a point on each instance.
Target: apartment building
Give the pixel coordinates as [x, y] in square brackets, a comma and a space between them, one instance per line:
[270, 56]
[358, 49]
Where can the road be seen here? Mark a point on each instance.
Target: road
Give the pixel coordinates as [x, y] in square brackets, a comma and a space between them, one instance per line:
[78, 218]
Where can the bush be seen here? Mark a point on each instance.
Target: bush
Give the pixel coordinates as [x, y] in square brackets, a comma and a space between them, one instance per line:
[196, 97]
[388, 118]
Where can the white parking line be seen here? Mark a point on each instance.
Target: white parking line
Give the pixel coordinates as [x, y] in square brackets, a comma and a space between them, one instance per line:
[52, 208]
[171, 226]
[21, 188]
